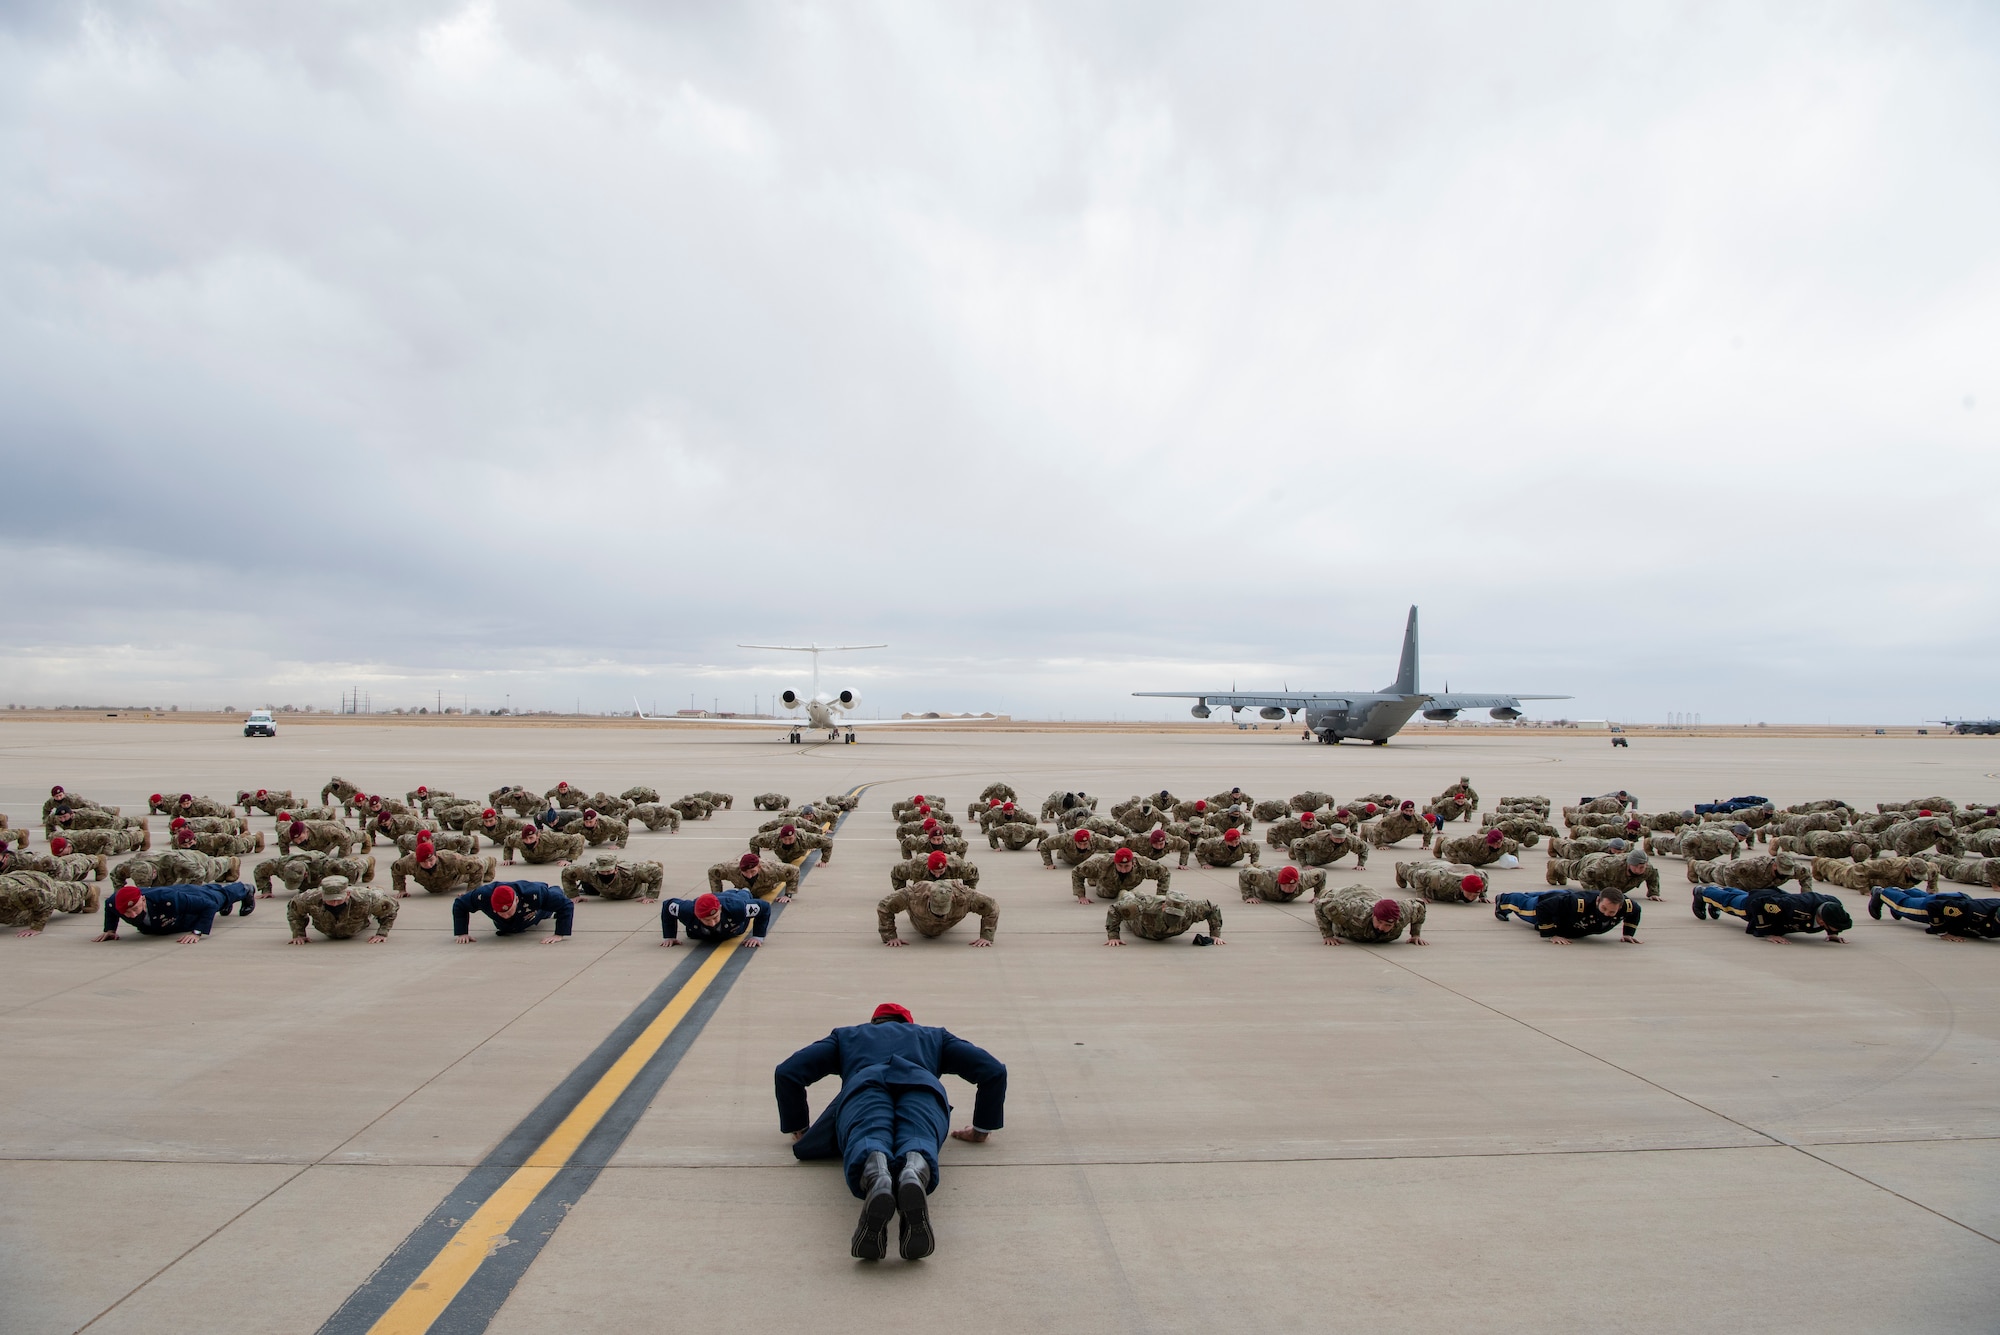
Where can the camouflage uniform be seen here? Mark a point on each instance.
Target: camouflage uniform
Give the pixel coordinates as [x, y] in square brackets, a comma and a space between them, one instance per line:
[1943, 804]
[212, 824]
[321, 836]
[498, 829]
[549, 846]
[692, 808]
[921, 900]
[446, 873]
[1310, 800]
[1270, 809]
[220, 845]
[639, 794]
[1701, 842]
[1143, 845]
[1914, 836]
[1350, 913]
[28, 899]
[1758, 871]
[1280, 833]
[443, 840]
[1065, 847]
[303, 871]
[1448, 808]
[992, 792]
[340, 921]
[1441, 881]
[717, 801]
[1813, 820]
[59, 866]
[1666, 822]
[608, 877]
[395, 827]
[909, 872]
[1963, 871]
[427, 799]
[656, 816]
[517, 800]
[1101, 874]
[1224, 852]
[1396, 827]
[1825, 844]
[1893, 872]
[1160, 917]
[1473, 849]
[340, 789]
[1467, 793]
[1329, 845]
[1605, 871]
[1055, 805]
[771, 878]
[267, 800]
[1527, 831]
[563, 796]
[770, 801]
[1577, 848]
[1016, 835]
[89, 818]
[842, 802]
[309, 815]
[617, 808]
[803, 842]
[603, 830]
[913, 845]
[73, 801]
[1262, 883]
[175, 866]
[903, 809]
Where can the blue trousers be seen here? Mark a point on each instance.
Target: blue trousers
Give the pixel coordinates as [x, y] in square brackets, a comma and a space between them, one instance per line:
[894, 1121]
[234, 893]
[1908, 905]
[1722, 897]
[1515, 904]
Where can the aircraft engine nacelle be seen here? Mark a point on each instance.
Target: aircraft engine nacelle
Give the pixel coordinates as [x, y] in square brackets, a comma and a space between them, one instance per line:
[790, 699]
[1504, 713]
[1440, 715]
[1201, 711]
[848, 699]
[1270, 713]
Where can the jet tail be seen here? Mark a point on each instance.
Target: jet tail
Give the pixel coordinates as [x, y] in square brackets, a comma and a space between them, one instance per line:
[1406, 671]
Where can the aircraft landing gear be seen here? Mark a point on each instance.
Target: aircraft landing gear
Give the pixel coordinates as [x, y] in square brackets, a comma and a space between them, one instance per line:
[1381, 741]
[850, 739]
[794, 739]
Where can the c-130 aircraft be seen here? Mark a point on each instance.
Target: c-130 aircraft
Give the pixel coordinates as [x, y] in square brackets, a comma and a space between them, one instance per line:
[1371, 716]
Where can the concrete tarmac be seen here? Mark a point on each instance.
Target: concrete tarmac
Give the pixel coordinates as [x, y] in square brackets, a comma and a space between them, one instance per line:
[1490, 1133]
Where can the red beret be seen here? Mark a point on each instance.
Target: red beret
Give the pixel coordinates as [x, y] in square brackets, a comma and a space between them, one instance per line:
[889, 1010]
[1157, 837]
[1123, 855]
[1306, 818]
[1082, 836]
[127, 900]
[1006, 806]
[1372, 808]
[930, 823]
[1494, 836]
[504, 897]
[747, 863]
[59, 845]
[1407, 804]
[787, 829]
[1472, 882]
[263, 792]
[588, 812]
[177, 822]
[296, 829]
[1386, 910]
[488, 812]
[1201, 804]
[706, 903]
[1231, 835]
[154, 798]
[936, 861]
[420, 788]
[187, 797]
[562, 783]
[1288, 875]
[1925, 812]
[56, 791]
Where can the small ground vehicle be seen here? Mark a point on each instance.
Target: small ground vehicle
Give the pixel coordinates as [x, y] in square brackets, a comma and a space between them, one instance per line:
[260, 724]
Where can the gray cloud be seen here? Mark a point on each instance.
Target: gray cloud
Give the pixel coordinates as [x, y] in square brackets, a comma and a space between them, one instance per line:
[552, 349]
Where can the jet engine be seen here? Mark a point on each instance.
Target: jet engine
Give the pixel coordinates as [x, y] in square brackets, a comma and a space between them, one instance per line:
[1504, 714]
[1201, 711]
[790, 699]
[847, 699]
[1440, 715]
[1271, 713]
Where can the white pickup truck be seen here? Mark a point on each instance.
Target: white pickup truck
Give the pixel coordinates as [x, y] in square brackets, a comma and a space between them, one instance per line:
[260, 724]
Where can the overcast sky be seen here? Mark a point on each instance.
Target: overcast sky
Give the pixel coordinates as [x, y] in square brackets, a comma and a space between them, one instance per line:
[543, 352]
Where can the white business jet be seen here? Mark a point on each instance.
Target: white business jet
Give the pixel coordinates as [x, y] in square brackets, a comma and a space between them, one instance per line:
[824, 712]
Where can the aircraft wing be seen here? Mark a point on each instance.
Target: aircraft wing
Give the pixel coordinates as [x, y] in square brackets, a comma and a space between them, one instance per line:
[1461, 700]
[794, 722]
[719, 722]
[1253, 700]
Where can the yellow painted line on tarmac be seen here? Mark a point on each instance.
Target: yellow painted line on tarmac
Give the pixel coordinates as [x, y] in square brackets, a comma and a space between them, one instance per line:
[431, 1292]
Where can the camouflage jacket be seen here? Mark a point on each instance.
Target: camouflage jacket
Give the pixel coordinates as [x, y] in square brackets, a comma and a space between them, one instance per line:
[639, 794]
[912, 870]
[1101, 874]
[1397, 826]
[175, 866]
[321, 836]
[1160, 917]
[770, 801]
[656, 816]
[341, 920]
[1016, 835]
[446, 874]
[803, 842]
[608, 877]
[28, 899]
[1605, 871]
[606, 830]
[1222, 853]
[1262, 883]
[549, 846]
[771, 878]
[1473, 849]
[442, 840]
[912, 845]
[57, 866]
[98, 842]
[304, 871]
[1441, 881]
[1890, 872]
[1329, 845]
[1350, 914]
[915, 900]
[1760, 871]
[1064, 846]
[564, 796]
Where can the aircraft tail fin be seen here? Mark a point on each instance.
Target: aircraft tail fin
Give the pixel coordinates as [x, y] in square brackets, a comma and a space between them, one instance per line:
[1406, 671]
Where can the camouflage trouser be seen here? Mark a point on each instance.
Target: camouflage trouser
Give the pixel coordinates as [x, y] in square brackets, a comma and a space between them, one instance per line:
[69, 897]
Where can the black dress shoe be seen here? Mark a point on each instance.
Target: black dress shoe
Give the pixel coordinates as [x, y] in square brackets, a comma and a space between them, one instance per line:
[914, 1234]
[871, 1235]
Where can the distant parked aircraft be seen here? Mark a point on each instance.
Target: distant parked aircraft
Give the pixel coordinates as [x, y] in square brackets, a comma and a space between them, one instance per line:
[825, 713]
[1373, 716]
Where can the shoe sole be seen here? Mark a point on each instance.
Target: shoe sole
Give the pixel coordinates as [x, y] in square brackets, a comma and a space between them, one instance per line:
[871, 1235]
[917, 1239]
